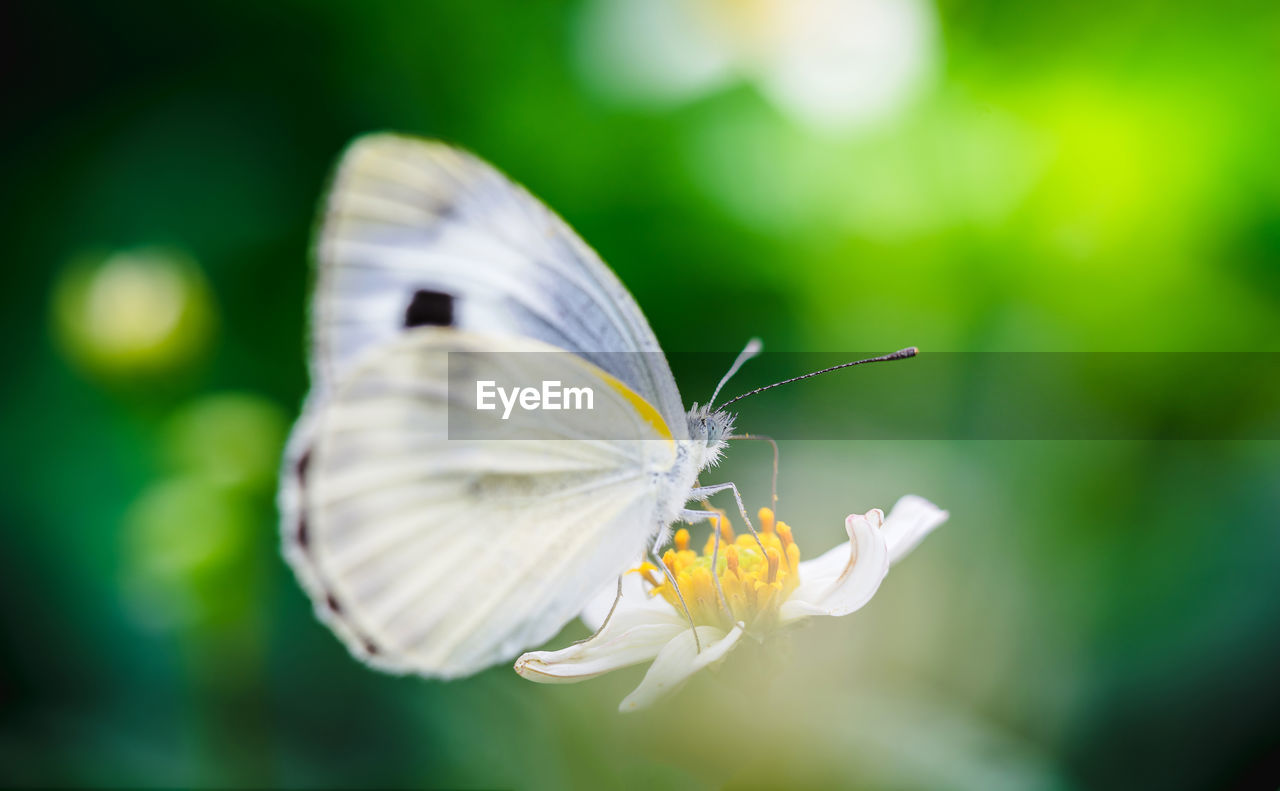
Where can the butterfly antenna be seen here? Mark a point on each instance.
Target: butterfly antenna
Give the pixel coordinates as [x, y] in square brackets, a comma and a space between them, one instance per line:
[901, 354]
[752, 348]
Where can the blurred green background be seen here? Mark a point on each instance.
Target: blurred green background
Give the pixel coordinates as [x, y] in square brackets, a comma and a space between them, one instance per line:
[1009, 177]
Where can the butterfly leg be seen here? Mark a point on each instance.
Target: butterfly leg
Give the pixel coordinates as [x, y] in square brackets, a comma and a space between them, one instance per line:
[773, 487]
[693, 517]
[671, 580]
[617, 598]
[701, 492]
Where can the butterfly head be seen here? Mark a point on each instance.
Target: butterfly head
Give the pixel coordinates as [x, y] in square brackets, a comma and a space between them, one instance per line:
[710, 426]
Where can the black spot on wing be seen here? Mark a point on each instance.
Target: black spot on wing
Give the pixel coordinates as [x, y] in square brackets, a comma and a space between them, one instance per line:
[300, 469]
[370, 647]
[304, 539]
[429, 309]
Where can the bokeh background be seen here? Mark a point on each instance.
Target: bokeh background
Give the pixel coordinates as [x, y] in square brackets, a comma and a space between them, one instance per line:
[965, 175]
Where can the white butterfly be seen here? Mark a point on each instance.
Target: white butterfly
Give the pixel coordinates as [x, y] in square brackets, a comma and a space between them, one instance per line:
[442, 557]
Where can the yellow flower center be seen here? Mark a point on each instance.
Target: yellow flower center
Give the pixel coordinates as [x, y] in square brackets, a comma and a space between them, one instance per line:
[753, 584]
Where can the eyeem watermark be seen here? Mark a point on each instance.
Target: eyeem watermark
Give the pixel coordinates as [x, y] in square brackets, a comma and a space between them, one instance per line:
[934, 396]
[551, 397]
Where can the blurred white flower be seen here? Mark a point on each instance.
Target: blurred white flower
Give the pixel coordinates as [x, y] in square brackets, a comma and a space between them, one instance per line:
[829, 64]
[761, 593]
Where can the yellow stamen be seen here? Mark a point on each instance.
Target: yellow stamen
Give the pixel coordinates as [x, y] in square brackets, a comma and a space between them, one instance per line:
[726, 530]
[731, 557]
[754, 583]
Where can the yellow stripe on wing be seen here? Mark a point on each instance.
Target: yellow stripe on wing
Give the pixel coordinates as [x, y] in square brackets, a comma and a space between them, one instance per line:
[640, 405]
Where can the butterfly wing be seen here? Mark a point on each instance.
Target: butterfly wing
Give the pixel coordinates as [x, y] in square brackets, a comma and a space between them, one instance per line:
[442, 556]
[403, 538]
[418, 232]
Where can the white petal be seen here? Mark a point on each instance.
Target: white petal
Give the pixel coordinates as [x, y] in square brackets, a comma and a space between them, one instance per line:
[867, 563]
[634, 598]
[678, 660]
[837, 64]
[820, 573]
[630, 638]
[653, 51]
[911, 519]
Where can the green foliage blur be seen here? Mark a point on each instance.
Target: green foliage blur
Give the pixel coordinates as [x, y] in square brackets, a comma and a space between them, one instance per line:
[1072, 177]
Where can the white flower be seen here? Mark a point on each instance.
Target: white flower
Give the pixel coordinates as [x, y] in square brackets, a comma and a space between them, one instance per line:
[831, 64]
[762, 592]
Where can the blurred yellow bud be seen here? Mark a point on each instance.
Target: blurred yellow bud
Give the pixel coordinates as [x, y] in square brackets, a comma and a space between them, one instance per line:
[230, 439]
[142, 311]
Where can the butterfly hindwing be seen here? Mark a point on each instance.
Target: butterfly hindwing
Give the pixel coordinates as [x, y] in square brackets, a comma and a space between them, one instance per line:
[441, 555]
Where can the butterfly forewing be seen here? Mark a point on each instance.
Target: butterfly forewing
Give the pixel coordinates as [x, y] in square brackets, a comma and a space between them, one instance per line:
[407, 218]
